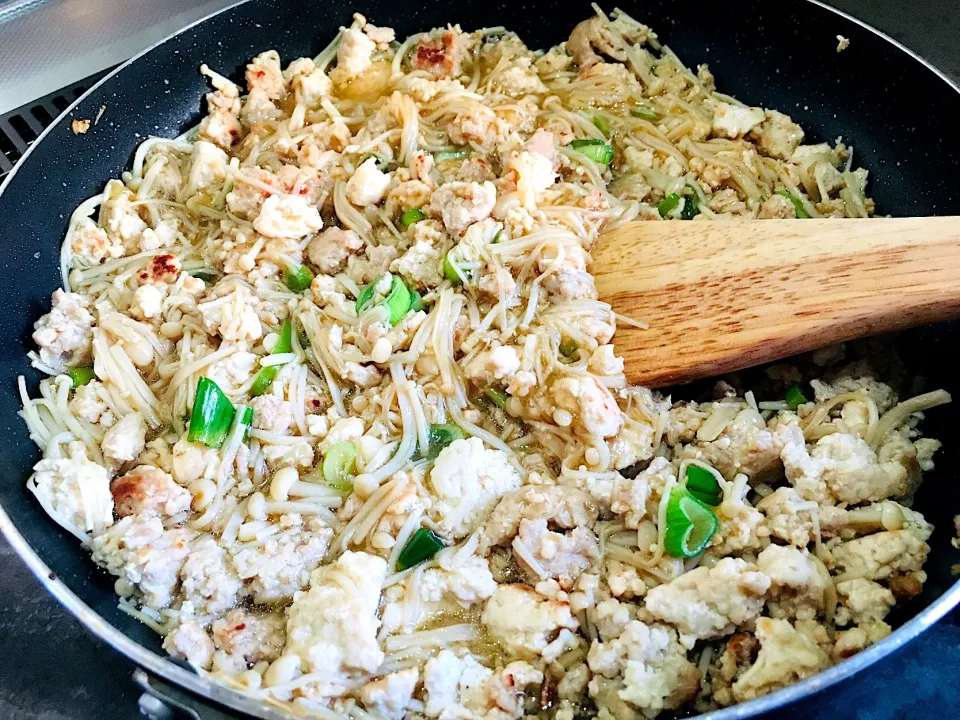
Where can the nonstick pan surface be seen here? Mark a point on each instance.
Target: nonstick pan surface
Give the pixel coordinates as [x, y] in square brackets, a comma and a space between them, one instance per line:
[891, 106]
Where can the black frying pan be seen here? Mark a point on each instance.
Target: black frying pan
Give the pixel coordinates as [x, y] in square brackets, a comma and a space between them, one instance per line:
[890, 105]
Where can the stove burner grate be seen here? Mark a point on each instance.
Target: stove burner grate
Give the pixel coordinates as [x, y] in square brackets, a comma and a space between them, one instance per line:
[20, 127]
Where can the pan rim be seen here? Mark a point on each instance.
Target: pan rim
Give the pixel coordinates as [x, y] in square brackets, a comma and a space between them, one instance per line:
[209, 690]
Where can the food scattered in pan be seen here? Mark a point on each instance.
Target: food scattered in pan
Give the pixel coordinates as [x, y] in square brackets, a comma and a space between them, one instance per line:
[332, 396]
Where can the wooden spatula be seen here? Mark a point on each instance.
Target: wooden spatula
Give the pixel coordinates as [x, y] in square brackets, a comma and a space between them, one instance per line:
[726, 295]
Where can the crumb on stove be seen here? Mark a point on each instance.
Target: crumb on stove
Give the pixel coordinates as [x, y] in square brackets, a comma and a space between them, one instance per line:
[100, 112]
[842, 43]
[80, 127]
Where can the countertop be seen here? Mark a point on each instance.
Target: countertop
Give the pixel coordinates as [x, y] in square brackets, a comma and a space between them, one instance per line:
[53, 670]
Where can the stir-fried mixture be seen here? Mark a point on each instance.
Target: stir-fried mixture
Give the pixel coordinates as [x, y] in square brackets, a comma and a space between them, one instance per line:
[332, 395]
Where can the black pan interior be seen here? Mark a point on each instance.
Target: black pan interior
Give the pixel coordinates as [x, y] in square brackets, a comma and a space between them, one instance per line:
[883, 101]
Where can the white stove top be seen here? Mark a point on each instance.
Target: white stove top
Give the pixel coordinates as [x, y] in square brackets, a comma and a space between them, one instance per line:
[48, 44]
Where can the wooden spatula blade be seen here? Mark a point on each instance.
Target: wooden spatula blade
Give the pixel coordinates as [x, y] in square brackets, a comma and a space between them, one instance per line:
[725, 295]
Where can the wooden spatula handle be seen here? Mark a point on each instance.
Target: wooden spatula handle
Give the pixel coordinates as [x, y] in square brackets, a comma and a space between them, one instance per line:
[756, 291]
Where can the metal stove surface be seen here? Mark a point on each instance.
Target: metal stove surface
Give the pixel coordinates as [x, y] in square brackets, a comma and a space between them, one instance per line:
[48, 44]
[53, 670]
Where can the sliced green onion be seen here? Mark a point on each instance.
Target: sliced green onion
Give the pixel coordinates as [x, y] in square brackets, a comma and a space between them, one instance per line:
[496, 238]
[439, 437]
[411, 216]
[338, 466]
[444, 155]
[703, 485]
[596, 150]
[601, 124]
[691, 207]
[378, 161]
[416, 301]
[268, 374]
[264, 380]
[297, 278]
[285, 341]
[690, 524]
[247, 420]
[210, 277]
[365, 296]
[798, 208]
[227, 189]
[398, 302]
[668, 204]
[644, 112]
[212, 414]
[569, 347]
[422, 546]
[450, 272]
[795, 397]
[497, 396]
[81, 375]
